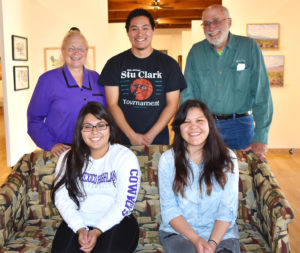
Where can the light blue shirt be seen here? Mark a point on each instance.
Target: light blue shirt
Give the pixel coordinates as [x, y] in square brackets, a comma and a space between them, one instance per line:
[200, 212]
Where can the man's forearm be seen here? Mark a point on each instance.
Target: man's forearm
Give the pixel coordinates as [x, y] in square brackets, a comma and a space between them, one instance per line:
[119, 117]
[163, 120]
[166, 115]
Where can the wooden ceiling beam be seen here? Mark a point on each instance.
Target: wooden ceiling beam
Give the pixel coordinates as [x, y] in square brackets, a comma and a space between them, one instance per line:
[173, 21]
[173, 26]
[130, 5]
[191, 14]
[171, 14]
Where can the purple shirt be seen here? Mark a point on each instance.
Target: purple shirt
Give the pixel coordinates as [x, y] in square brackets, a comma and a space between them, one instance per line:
[55, 105]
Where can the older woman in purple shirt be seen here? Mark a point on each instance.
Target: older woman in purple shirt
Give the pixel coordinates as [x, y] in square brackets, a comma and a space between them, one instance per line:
[60, 94]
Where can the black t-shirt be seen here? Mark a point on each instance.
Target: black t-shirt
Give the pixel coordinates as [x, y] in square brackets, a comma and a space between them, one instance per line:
[143, 84]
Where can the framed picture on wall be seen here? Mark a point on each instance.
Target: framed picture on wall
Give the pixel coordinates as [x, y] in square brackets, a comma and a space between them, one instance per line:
[19, 48]
[266, 35]
[21, 77]
[53, 58]
[165, 51]
[275, 69]
[180, 61]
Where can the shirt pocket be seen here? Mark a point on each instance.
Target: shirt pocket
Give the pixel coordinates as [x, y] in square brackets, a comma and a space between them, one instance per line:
[241, 77]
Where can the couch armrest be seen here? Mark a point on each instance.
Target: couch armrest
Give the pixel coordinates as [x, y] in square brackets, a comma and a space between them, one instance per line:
[273, 208]
[13, 200]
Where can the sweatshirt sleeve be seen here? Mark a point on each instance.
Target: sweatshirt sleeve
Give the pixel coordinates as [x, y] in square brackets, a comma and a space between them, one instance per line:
[37, 113]
[65, 205]
[128, 185]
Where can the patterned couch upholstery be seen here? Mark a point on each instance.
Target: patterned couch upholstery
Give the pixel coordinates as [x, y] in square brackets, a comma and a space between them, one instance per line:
[28, 218]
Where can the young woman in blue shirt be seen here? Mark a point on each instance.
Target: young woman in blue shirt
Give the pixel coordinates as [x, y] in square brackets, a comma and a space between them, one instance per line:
[198, 182]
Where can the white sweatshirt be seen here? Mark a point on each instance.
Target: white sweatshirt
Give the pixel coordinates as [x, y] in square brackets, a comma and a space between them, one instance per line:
[111, 184]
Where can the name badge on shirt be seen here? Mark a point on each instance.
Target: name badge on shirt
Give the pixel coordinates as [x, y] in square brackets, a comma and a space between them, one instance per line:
[241, 65]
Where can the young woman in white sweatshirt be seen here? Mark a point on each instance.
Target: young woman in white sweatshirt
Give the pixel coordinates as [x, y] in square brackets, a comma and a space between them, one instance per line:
[97, 183]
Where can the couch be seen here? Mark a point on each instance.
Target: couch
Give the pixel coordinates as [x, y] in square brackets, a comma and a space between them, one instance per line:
[28, 218]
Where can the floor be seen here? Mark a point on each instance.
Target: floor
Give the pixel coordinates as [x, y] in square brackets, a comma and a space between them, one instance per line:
[285, 166]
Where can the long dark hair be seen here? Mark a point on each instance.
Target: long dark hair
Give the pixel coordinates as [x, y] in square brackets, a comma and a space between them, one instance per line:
[78, 155]
[216, 156]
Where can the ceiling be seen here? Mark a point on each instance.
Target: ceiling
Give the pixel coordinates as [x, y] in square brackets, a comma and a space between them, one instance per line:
[167, 13]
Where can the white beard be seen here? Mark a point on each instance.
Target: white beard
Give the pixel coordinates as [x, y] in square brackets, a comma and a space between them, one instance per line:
[217, 41]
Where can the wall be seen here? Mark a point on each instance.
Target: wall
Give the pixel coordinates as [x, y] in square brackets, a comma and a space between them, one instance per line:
[170, 39]
[1, 88]
[44, 23]
[284, 132]
[286, 123]
[14, 20]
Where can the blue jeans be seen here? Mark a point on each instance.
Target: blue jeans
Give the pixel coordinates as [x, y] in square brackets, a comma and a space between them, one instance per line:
[176, 243]
[237, 132]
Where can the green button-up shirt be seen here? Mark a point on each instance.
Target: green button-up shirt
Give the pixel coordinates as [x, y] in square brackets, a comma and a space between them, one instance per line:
[234, 82]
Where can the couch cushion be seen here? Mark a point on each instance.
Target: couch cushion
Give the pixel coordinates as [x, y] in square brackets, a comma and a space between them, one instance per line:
[40, 205]
[147, 207]
[36, 236]
[247, 200]
[13, 202]
[251, 239]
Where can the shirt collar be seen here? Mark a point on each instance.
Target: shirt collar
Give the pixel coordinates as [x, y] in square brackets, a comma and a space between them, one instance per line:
[70, 81]
[231, 41]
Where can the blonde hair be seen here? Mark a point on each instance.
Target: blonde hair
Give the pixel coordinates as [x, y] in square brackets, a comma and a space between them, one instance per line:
[73, 32]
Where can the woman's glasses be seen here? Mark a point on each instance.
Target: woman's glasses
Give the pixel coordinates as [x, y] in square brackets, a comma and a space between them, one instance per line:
[89, 127]
[77, 49]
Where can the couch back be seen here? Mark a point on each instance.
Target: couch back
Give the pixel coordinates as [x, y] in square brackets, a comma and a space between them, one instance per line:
[33, 175]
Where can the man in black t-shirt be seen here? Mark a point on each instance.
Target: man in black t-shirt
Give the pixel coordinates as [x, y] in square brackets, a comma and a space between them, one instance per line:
[142, 85]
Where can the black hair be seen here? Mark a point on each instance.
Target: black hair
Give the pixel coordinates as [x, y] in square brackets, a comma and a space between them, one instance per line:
[78, 155]
[138, 13]
[216, 157]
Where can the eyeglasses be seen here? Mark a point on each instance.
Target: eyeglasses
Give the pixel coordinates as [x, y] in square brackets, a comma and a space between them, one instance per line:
[99, 127]
[73, 49]
[215, 22]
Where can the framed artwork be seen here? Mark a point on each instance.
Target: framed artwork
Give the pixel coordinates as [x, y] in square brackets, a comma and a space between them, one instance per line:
[275, 69]
[21, 77]
[266, 35]
[19, 48]
[53, 58]
[180, 61]
[164, 51]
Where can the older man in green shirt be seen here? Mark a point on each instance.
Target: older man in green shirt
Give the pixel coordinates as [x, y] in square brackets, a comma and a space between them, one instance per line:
[227, 72]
